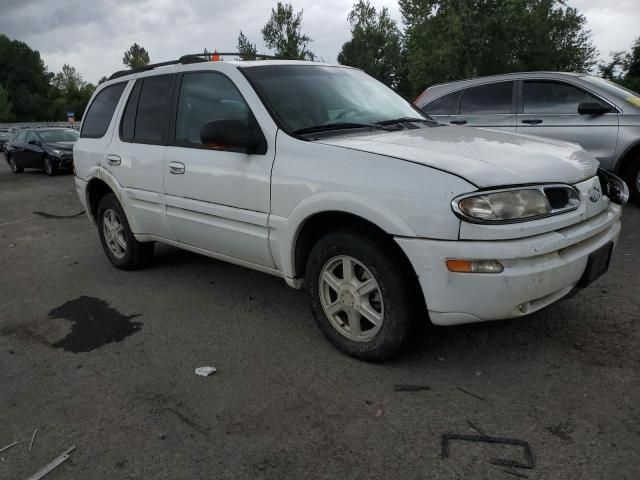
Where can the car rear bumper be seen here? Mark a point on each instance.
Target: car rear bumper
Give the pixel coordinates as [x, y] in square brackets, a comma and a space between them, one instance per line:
[538, 270]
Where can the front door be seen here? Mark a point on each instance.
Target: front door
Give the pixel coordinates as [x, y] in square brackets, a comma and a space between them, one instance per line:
[216, 199]
[32, 154]
[550, 109]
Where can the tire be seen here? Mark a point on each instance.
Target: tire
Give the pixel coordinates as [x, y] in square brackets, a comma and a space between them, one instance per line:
[393, 298]
[118, 242]
[14, 166]
[50, 168]
[632, 178]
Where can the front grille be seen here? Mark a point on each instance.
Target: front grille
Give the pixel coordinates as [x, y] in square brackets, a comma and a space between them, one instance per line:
[561, 198]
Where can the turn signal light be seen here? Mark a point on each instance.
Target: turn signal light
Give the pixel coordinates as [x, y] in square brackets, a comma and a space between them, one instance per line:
[474, 266]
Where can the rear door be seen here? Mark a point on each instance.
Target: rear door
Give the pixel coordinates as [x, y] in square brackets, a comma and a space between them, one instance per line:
[135, 156]
[218, 199]
[549, 108]
[17, 147]
[492, 105]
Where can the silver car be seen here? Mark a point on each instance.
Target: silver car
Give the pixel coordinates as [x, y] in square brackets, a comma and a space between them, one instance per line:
[604, 118]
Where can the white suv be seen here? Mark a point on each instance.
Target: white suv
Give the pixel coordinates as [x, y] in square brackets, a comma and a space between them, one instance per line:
[323, 176]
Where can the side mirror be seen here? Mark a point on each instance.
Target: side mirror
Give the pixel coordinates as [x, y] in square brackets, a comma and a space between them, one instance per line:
[231, 134]
[593, 108]
[33, 142]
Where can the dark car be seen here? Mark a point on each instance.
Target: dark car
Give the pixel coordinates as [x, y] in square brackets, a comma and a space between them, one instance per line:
[5, 136]
[47, 148]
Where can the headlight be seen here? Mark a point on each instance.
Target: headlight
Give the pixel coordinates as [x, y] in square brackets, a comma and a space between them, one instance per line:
[56, 152]
[613, 187]
[516, 205]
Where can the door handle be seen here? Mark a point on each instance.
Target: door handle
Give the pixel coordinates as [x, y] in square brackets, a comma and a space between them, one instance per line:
[176, 168]
[535, 121]
[114, 160]
[458, 122]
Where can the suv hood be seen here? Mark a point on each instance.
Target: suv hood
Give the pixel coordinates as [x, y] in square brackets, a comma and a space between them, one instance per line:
[486, 158]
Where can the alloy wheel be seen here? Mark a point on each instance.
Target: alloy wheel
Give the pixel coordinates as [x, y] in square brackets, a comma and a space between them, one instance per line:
[351, 298]
[48, 166]
[113, 232]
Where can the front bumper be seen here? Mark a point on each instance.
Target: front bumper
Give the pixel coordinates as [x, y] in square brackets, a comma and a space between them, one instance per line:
[538, 270]
[65, 161]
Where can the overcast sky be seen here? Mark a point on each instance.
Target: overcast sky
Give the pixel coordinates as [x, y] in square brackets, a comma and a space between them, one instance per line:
[92, 35]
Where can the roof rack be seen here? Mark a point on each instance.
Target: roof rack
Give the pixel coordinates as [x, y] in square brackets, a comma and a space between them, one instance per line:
[192, 58]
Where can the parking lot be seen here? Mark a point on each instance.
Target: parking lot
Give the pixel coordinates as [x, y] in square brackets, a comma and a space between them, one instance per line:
[104, 360]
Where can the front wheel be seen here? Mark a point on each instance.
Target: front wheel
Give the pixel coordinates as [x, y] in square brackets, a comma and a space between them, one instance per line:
[633, 180]
[117, 239]
[360, 294]
[50, 168]
[13, 165]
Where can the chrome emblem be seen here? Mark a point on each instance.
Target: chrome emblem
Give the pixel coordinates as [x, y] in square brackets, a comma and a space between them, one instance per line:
[594, 193]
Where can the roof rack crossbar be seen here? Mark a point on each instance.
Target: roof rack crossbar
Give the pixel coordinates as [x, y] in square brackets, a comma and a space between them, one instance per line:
[192, 58]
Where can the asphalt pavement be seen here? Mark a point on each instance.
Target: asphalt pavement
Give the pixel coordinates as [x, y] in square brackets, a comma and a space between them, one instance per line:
[103, 360]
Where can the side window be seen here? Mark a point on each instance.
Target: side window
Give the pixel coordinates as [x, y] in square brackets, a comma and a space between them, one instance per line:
[128, 123]
[98, 117]
[446, 105]
[490, 98]
[31, 137]
[153, 108]
[207, 96]
[20, 137]
[553, 97]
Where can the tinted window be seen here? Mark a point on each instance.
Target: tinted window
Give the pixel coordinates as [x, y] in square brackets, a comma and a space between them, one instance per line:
[31, 137]
[58, 135]
[491, 98]
[20, 137]
[96, 120]
[553, 97]
[446, 105]
[205, 97]
[127, 126]
[153, 105]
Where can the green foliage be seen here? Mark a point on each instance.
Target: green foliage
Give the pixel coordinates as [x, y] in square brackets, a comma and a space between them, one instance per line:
[5, 106]
[454, 39]
[375, 45]
[624, 67]
[136, 57]
[283, 34]
[246, 48]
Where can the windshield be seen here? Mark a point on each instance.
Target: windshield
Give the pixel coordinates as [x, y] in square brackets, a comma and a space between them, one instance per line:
[614, 89]
[58, 135]
[304, 96]
[5, 136]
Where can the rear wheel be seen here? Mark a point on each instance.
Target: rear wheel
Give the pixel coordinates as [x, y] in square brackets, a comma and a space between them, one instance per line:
[632, 178]
[118, 242]
[360, 295]
[13, 165]
[50, 168]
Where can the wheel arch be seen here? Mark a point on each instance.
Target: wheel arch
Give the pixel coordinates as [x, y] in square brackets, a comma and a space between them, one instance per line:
[632, 152]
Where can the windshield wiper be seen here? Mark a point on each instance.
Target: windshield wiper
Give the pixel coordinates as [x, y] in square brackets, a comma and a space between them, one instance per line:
[404, 120]
[336, 126]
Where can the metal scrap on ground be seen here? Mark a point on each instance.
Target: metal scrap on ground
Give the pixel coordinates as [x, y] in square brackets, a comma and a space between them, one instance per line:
[56, 462]
[530, 463]
[205, 371]
[33, 437]
[410, 388]
[7, 447]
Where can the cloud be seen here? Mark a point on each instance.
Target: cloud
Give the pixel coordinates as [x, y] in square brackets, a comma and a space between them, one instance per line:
[93, 35]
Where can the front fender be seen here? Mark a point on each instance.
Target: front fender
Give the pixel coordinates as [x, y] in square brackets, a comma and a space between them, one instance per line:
[285, 231]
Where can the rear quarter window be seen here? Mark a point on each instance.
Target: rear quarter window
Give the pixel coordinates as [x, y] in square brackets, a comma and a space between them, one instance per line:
[98, 116]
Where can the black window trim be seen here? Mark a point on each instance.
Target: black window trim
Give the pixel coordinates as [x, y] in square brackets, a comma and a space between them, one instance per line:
[164, 139]
[521, 81]
[88, 109]
[171, 138]
[454, 110]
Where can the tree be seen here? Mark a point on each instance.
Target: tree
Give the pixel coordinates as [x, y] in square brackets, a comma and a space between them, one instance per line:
[136, 57]
[375, 45]
[246, 48]
[624, 67]
[68, 81]
[454, 39]
[102, 80]
[5, 106]
[25, 79]
[283, 34]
